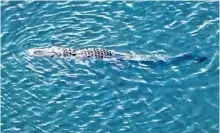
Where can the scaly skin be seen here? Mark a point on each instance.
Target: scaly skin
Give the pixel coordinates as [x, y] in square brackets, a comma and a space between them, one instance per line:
[88, 53]
[99, 53]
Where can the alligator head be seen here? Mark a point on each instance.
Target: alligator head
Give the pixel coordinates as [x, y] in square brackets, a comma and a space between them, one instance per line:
[51, 52]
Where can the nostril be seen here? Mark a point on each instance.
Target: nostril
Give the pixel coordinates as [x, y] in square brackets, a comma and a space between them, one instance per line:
[30, 52]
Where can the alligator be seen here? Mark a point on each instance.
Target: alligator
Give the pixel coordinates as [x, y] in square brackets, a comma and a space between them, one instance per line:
[100, 53]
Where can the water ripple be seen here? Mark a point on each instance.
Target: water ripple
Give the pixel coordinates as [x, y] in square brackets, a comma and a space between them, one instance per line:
[64, 95]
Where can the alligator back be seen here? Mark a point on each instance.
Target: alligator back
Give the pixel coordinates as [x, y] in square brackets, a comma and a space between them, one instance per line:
[92, 53]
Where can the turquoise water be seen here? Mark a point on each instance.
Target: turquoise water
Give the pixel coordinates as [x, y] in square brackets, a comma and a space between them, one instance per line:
[52, 95]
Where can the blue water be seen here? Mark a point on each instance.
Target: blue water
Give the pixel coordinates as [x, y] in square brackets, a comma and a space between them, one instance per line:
[52, 95]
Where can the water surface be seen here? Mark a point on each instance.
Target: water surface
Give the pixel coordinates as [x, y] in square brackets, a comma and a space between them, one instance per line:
[51, 95]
